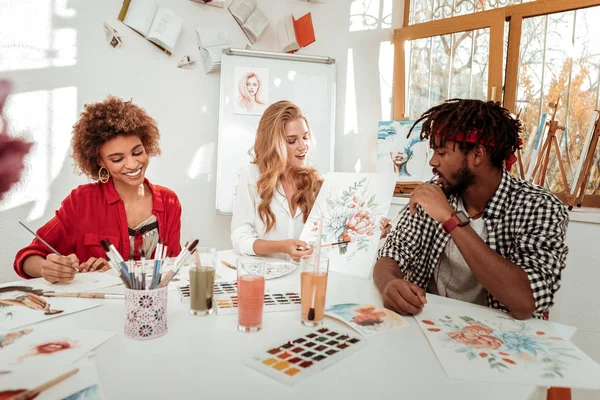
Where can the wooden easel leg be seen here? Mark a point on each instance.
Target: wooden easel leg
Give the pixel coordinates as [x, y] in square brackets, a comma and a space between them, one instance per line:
[562, 169]
[587, 167]
[539, 162]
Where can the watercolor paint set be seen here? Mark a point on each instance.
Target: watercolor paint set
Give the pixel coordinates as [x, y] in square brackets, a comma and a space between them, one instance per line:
[284, 301]
[296, 359]
[226, 299]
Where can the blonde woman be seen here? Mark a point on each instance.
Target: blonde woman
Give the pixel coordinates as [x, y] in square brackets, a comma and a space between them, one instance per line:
[277, 190]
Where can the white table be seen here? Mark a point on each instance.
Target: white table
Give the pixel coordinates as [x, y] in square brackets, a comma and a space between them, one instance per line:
[201, 357]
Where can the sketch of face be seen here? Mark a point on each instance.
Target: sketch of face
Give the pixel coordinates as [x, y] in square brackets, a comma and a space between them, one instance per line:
[252, 86]
[400, 158]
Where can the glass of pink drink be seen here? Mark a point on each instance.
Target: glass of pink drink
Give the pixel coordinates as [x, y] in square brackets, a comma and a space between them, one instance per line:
[251, 293]
[313, 287]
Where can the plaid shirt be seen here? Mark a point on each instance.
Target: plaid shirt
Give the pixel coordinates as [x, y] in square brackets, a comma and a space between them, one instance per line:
[526, 224]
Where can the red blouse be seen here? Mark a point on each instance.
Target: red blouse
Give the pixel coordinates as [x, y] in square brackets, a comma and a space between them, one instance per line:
[94, 212]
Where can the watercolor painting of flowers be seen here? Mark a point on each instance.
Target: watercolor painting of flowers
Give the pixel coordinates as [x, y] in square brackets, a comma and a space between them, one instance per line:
[352, 206]
[367, 319]
[482, 344]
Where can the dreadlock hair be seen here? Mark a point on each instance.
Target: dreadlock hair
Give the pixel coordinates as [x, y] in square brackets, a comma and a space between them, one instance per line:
[495, 128]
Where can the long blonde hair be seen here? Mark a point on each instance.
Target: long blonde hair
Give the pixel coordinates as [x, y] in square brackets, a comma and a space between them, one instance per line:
[270, 154]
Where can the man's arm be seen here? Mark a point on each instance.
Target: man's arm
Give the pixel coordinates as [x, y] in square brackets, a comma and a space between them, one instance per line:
[385, 271]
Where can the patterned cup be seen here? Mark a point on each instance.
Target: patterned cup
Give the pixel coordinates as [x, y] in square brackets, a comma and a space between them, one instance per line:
[146, 313]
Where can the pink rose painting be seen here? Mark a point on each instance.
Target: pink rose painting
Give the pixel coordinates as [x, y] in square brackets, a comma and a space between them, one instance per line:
[352, 206]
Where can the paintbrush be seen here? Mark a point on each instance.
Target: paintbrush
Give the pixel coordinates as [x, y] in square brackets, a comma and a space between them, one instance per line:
[86, 295]
[317, 260]
[30, 394]
[179, 261]
[52, 249]
[113, 260]
[225, 263]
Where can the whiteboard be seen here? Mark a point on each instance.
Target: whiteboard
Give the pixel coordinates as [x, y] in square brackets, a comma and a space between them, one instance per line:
[308, 84]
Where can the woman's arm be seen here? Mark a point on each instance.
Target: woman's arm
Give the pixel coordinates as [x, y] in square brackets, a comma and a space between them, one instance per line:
[60, 232]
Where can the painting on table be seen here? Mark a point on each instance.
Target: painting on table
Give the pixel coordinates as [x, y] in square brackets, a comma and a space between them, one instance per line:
[22, 305]
[366, 318]
[352, 206]
[84, 384]
[487, 345]
[44, 348]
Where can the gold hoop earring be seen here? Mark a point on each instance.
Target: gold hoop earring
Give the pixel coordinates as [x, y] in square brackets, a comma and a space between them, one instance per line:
[105, 178]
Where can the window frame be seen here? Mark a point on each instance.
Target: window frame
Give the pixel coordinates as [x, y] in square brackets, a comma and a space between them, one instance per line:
[506, 91]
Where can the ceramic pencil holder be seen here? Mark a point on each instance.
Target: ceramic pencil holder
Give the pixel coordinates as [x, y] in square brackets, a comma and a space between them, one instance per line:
[146, 313]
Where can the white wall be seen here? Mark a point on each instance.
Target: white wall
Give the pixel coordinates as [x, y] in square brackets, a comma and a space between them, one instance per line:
[56, 54]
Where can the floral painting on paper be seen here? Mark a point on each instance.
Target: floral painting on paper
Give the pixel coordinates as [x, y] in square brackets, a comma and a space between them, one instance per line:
[352, 206]
[487, 345]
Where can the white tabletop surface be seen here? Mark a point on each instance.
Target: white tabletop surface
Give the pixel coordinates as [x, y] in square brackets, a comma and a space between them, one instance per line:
[202, 357]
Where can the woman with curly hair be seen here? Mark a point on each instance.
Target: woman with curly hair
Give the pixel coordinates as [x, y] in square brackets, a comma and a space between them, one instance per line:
[112, 143]
[276, 192]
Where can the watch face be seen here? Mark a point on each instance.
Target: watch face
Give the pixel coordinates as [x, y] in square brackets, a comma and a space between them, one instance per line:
[463, 218]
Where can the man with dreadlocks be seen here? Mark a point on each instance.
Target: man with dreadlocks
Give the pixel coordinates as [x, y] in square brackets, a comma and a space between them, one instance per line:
[479, 234]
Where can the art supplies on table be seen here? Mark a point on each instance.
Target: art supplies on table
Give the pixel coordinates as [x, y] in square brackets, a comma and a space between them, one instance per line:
[79, 381]
[291, 361]
[295, 34]
[482, 344]
[134, 275]
[211, 44]
[86, 295]
[157, 24]
[226, 299]
[21, 305]
[367, 319]
[46, 348]
[352, 206]
[252, 20]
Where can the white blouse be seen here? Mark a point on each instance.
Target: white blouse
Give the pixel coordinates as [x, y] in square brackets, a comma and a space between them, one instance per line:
[246, 225]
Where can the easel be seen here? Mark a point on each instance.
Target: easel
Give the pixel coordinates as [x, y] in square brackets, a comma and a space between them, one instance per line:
[579, 188]
[538, 176]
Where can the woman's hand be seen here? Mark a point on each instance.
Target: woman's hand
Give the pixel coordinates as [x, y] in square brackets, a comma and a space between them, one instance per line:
[95, 264]
[386, 228]
[295, 248]
[57, 268]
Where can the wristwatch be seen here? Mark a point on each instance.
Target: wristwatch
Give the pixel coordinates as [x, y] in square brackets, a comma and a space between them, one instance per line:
[458, 218]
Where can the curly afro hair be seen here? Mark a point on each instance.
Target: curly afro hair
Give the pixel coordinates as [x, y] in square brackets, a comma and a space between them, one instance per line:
[103, 121]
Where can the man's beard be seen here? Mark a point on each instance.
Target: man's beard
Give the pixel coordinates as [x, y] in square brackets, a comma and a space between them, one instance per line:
[463, 178]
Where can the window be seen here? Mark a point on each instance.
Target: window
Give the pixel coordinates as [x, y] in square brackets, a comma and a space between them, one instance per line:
[559, 61]
[431, 10]
[445, 67]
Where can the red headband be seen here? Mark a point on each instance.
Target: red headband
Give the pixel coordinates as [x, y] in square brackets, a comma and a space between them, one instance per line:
[473, 136]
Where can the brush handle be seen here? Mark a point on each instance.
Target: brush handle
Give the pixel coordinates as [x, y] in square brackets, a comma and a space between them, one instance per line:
[86, 295]
[168, 276]
[34, 392]
[225, 263]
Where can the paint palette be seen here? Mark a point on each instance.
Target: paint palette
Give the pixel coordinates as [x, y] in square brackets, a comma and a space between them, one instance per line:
[299, 358]
[226, 299]
[285, 301]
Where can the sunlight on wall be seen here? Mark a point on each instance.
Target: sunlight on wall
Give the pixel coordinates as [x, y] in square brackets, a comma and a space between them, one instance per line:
[386, 76]
[350, 112]
[29, 38]
[202, 162]
[45, 118]
[357, 166]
